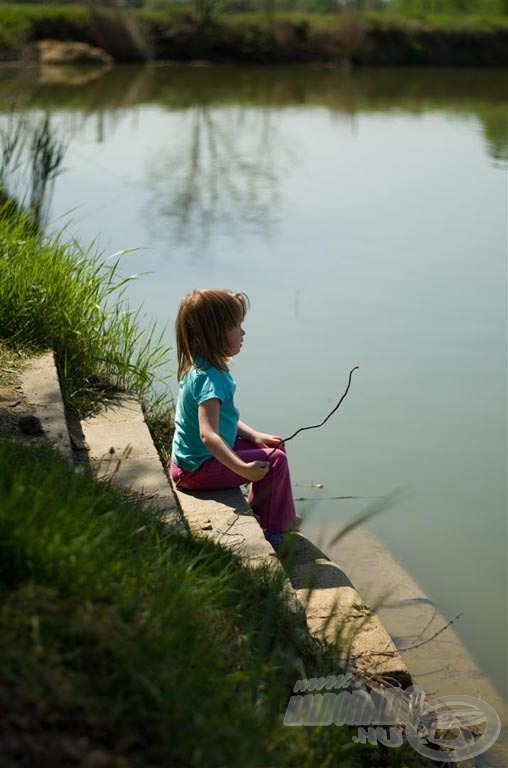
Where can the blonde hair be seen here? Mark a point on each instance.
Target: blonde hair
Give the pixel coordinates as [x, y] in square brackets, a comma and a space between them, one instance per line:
[204, 317]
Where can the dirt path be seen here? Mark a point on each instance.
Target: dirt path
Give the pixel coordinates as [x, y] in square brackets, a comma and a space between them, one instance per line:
[14, 407]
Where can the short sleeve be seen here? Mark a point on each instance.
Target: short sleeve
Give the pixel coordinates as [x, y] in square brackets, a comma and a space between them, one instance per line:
[207, 386]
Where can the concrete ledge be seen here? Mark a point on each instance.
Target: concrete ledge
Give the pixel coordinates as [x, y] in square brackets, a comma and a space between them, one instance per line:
[333, 608]
[225, 517]
[41, 387]
[121, 451]
[337, 613]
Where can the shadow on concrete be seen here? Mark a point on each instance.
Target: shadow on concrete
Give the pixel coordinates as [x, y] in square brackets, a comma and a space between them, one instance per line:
[231, 498]
[308, 567]
[78, 443]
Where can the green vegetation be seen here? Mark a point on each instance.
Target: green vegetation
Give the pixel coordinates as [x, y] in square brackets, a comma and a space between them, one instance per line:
[270, 31]
[153, 646]
[450, 8]
[55, 294]
[21, 24]
[31, 159]
[406, 7]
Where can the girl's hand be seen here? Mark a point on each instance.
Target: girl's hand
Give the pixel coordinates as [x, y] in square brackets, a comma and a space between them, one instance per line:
[255, 470]
[267, 441]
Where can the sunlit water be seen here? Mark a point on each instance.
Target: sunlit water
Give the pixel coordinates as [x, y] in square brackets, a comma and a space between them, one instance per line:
[365, 216]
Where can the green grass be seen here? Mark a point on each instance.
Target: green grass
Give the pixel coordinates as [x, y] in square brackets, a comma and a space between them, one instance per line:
[157, 647]
[433, 21]
[22, 24]
[319, 22]
[170, 631]
[55, 294]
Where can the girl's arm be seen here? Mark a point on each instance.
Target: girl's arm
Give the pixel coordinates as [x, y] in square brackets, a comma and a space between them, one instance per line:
[208, 417]
[258, 438]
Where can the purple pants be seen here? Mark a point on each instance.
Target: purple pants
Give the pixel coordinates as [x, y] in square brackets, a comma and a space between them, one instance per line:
[270, 498]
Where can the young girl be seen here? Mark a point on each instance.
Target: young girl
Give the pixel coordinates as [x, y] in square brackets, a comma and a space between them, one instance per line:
[212, 448]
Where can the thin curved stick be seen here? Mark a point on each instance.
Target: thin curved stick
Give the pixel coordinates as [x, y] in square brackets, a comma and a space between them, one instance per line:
[316, 426]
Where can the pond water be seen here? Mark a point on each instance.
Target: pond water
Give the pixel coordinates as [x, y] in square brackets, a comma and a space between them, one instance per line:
[364, 213]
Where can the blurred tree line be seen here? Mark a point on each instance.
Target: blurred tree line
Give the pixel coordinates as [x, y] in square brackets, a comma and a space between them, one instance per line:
[404, 7]
[450, 7]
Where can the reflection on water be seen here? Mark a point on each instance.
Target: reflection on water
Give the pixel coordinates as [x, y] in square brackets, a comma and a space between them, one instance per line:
[219, 171]
[31, 156]
[209, 179]
[479, 93]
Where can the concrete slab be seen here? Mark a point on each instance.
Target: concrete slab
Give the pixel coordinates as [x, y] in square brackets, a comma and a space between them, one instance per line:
[439, 662]
[121, 451]
[114, 437]
[41, 387]
[121, 409]
[336, 612]
[206, 502]
[331, 604]
[225, 517]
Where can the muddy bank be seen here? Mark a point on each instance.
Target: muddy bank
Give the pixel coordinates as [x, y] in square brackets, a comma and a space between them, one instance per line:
[427, 47]
[349, 42]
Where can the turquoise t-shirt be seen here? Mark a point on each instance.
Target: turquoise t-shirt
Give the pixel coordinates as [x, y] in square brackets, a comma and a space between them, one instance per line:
[201, 383]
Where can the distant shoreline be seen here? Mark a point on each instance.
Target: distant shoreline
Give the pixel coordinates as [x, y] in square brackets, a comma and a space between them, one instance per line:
[334, 40]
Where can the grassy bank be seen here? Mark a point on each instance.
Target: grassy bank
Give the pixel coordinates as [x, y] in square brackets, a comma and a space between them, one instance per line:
[123, 642]
[369, 38]
[21, 25]
[56, 294]
[122, 637]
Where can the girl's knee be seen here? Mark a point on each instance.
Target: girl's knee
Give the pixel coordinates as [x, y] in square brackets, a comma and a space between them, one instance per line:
[278, 459]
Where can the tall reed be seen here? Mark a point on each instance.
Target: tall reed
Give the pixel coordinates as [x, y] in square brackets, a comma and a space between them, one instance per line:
[31, 156]
[55, 294]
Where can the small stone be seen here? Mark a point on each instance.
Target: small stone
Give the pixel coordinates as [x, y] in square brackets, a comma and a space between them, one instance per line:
[30, 425]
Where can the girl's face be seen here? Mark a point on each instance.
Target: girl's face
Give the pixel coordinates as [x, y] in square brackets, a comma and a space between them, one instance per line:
[234, 339]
